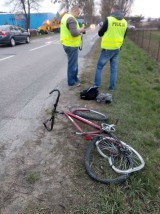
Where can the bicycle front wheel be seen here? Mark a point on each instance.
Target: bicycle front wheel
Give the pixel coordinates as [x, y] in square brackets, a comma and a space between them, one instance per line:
[123, 158]
[89, 114]
[137, 160]
[99, 168]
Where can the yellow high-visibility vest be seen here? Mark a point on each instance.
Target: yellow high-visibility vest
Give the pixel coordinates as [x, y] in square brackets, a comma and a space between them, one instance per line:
[114, 36]
[65, 36]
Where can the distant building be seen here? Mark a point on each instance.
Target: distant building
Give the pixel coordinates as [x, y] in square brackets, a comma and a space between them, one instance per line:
[19, 19]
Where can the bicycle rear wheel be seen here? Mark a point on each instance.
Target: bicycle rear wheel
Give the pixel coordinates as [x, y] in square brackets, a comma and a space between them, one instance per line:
[124, 159]
[99, 167]
[89, 114]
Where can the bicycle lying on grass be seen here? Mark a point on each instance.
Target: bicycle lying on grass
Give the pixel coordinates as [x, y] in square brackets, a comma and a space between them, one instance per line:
[107, 159]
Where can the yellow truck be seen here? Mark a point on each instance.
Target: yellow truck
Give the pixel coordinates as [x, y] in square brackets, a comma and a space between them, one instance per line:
[51, 25]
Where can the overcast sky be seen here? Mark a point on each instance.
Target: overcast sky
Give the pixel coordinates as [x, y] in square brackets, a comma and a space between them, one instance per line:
[47, 6]
[147, 8]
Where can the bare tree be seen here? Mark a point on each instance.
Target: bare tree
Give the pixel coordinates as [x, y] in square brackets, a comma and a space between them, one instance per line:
[24, 7]
[106, 6]
[86, 6]
[125, 5]
[65, 4]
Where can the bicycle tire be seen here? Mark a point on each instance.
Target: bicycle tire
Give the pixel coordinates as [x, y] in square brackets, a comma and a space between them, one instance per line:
[89, 114]
[137, 161]
[98, 167]
[120, 153]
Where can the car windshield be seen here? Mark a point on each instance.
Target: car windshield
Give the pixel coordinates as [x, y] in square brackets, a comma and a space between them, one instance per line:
[4, 27]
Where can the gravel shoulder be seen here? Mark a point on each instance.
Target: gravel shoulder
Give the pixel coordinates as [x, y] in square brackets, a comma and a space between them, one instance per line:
[46, 174]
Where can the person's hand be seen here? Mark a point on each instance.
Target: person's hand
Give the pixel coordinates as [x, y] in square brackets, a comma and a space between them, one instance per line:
[82, 30]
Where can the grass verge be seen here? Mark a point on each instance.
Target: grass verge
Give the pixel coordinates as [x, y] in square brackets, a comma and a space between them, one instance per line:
[136, 104]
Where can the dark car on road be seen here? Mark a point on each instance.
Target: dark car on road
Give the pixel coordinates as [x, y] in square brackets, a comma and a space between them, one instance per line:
[11, 35]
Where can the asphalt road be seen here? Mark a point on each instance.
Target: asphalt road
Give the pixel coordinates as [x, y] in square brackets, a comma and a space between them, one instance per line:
[27, 73]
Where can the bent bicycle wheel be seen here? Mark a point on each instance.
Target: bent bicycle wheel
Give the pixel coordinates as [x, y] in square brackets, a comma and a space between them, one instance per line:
[137, 160]
[89, 114]
[99, 168]
[124, 159]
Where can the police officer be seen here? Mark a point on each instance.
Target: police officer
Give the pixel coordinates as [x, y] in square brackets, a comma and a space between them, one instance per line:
[113, 32]
[70, 38]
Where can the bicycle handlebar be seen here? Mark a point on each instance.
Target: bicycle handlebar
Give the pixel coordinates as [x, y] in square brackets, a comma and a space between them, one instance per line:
[52, 123]
[57, 99]
[53, 111]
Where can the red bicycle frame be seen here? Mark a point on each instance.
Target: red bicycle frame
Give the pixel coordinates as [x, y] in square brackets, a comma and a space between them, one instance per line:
[70, 116]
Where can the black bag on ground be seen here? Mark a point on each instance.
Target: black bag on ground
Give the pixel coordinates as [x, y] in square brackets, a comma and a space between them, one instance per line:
[89, 93]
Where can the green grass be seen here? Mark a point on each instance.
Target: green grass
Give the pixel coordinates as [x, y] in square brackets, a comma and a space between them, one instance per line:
[136, 103]
[32, 177]
[154, 35]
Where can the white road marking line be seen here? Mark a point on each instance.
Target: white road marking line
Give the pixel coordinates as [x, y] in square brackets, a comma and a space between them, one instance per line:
[39, 47]
[47, 43]
[7, 57]
[53, 42]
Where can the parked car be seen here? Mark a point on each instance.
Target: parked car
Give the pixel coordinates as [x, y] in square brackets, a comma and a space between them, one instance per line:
[11, 34]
